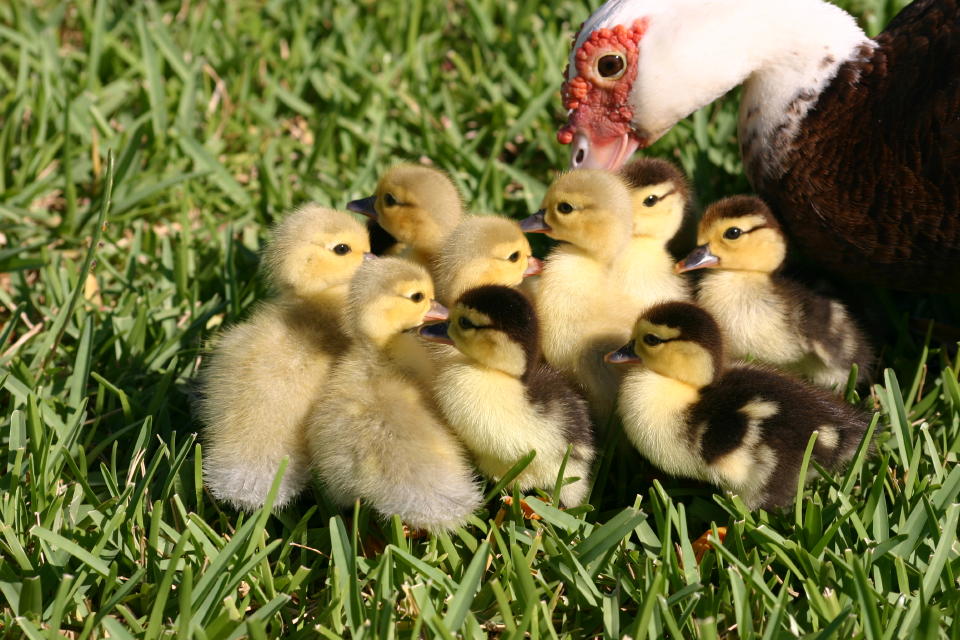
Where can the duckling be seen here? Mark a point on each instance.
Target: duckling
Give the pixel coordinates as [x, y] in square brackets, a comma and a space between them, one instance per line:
[502, 400]
[374, 434]
[662, 203]
[259, 380]
[593, 286]
[661, 220]
[417, 206]
[483, 249]
[763, 314]
[744, 428]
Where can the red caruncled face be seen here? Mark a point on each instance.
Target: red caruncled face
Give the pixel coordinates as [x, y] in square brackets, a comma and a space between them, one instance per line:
[606, 66]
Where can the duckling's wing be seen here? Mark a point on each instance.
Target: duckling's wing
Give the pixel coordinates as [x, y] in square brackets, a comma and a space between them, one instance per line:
[553, 395]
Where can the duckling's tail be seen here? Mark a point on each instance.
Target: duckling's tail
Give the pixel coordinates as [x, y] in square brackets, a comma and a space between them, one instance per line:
[430, 501]
[838, 441]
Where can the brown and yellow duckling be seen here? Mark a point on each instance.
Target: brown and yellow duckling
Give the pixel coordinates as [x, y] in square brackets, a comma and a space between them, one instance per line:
[743, 428]
[662, 204]
[416, 205]
[259, 380]
[763, 314]
[503, 400]
[374, 434]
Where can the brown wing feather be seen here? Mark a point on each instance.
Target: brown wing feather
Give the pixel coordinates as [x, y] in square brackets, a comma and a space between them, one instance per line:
[872, 189]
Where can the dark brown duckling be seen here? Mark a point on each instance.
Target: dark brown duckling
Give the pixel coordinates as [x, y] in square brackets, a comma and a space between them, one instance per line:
[763, 314]
[503, 400]
[743, 428]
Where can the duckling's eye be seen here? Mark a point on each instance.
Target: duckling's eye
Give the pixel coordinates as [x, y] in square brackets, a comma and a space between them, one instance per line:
[514, 256]
[390, 201]
[732, 233]
[417, 297]
[652, 340]
[649, 201]
[341, 249]
[466, 324]
[611, 66]
[565, 207]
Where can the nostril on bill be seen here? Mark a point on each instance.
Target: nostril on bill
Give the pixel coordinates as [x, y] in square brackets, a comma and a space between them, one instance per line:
[579, 158]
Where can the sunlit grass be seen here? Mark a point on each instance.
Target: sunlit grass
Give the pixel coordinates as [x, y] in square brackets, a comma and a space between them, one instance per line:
[219, 117]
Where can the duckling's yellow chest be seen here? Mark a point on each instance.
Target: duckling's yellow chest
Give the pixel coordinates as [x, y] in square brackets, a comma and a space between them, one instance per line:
[647, 275]
[492, 416]
[654, 410]
[580, 304]
[755, 319]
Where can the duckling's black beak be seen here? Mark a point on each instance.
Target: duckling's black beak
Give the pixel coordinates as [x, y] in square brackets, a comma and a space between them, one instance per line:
[535, 223]
[436, 313]
[436, 333]
[366, 206]
[699, 258]
[534, 267]
[622, 355]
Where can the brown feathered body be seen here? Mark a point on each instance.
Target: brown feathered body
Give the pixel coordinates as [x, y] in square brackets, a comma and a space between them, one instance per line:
[871, 185]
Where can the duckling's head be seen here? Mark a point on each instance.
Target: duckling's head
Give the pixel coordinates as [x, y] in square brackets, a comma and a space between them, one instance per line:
[678, 340]
[388, 296]
[483, 250]
[417, 205]
[493, 325]
[314, 248]
[660, 195]
[588, 208]
[738, 233]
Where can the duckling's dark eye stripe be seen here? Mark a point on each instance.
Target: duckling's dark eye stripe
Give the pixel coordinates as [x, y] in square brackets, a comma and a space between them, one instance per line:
[480, 326]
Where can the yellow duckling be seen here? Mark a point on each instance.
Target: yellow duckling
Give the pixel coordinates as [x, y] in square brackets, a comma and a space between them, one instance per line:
[503, 401]
[418, 206]
[483, 250]
[373, 434]
[764, 315]
[744, 428]
[590, 292]
[259, 380]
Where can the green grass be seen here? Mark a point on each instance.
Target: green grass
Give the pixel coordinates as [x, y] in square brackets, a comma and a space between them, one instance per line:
[219, 116]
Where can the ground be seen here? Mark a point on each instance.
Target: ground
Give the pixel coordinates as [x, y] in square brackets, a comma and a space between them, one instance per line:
[219, 116]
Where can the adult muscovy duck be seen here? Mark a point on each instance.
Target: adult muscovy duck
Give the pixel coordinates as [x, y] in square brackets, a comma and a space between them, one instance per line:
[854, 143]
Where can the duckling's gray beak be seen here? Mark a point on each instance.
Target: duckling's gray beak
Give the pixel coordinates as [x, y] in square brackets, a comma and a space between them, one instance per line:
[436, 313]
[534, 267]
[366, 206]
[369, 256]
[622, 355]
[699, 258]
[436, 333]
[535, 223]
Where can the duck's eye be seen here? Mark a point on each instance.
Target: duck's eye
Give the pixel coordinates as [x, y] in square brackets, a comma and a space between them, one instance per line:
[565, 207]
[611, 66]
[341, 249]
[466, 324]
[649, 201]
[652, 340]
[417, 297]
[514, 256]
[389, 200]
[732, 233]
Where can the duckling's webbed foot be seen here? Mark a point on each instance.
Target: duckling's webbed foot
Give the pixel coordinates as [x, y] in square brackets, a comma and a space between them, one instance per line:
[525, 508]
[702, 544]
